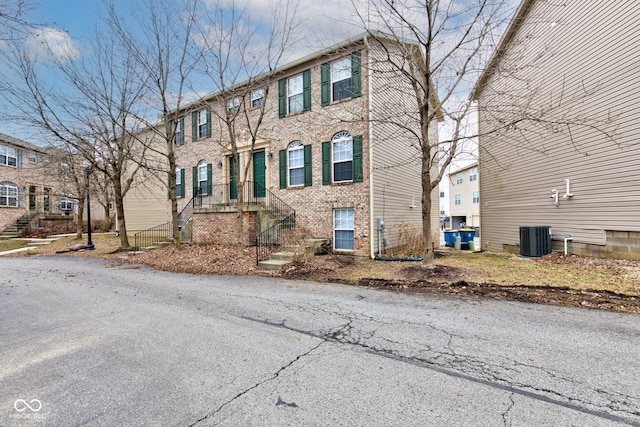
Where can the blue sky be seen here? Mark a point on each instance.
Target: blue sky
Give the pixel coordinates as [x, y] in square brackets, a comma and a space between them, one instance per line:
[77, 17]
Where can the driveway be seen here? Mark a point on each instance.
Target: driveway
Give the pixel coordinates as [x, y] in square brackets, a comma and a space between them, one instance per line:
[88, 342]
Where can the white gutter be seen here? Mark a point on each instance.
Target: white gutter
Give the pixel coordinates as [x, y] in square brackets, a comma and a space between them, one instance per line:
[372, 227]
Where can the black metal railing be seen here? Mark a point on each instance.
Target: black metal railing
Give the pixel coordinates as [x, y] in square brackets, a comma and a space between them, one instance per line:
[152, 236]
[272, 239]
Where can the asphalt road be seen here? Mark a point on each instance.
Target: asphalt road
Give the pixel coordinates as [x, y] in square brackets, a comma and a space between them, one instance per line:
[86, 342]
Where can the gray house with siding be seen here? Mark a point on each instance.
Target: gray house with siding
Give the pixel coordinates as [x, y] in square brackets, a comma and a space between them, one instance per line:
[558, 125]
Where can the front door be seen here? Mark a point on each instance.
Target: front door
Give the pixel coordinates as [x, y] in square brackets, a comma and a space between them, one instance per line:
[32, 198]
[233, 186]
[259, 175]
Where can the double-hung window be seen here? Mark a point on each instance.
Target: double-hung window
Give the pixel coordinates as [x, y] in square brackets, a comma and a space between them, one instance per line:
[457, 200]
[473, 174]
[476, 197]
[32, 157]
[203, 178]
[202, 124]
[8, 194]
[459, 179]
[294, 94]
[233, 105]
[178, 136]
[343, 229]
[342, 157]
[257, 97]
[341, 79]
[179, 182]
[8, 156]
[296, 164]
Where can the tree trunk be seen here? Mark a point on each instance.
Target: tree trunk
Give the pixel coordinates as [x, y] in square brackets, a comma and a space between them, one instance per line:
[427, 252]
[119, 199]
[175, 230]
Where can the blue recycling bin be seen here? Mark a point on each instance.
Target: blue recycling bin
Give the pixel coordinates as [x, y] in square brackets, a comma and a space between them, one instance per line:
[450, 237]
[466, 236]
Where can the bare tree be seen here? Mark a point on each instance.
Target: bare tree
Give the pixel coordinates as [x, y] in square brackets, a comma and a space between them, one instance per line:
[89, 104]
[163, 46]
[437, 50]
[12, 19]
[241, 61]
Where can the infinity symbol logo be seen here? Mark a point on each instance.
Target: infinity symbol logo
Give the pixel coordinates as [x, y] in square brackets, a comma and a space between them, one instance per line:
[22, 405]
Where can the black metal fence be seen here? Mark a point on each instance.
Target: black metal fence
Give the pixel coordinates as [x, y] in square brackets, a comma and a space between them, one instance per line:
[271, 239]
[267, 241]
[151, 236]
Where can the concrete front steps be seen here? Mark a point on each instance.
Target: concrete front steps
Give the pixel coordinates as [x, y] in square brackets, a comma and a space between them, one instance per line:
[278, 260]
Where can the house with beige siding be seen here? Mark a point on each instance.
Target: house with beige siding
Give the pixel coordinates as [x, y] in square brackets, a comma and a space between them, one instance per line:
[464, 200]
[33, 196]
[558, 125]
[325, 151]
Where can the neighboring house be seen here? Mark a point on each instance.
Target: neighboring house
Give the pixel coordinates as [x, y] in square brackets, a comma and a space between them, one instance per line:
[31, 197]
[443, 196]
[324, 150]
[464, 197]
[562, 91]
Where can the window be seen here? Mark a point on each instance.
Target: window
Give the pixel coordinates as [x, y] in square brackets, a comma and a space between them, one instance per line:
[456, 200]
[179, 182]
[343, 229]
[64, 171]
[296, 164]
[294, 94]
[342, 157]
[257, 98]
[233, 105]
[476, 197]
[32, 157]
[442, 194]
[203, 178]
[8, 156]
[473, 174]
[459, 178]
[66, 204]
[8, 194]
[178, 136]
[341, 79]
[46, 199]
[202, 124]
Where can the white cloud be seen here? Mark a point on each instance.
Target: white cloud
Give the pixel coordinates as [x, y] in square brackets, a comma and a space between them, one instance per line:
[51, 45]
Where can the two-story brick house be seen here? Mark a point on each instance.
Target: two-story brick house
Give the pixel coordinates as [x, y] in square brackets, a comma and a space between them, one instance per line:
[30, 194]
[325, 148]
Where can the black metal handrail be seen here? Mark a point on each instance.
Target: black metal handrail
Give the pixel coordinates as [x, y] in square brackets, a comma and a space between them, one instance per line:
[152, 236]
[271, 239]
[253, 193]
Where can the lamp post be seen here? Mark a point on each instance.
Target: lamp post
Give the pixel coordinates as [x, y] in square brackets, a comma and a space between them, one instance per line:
[89, 245]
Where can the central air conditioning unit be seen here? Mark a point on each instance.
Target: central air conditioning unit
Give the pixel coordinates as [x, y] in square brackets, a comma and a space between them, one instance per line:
[535, 241]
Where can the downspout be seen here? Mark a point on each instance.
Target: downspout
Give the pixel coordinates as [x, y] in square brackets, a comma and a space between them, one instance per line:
[372, 231]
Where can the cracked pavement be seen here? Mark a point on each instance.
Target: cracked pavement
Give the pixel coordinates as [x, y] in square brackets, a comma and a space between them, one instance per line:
[98, 343]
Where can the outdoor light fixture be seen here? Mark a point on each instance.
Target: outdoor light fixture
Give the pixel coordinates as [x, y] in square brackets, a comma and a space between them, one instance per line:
[270, 155]
[219, 164]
